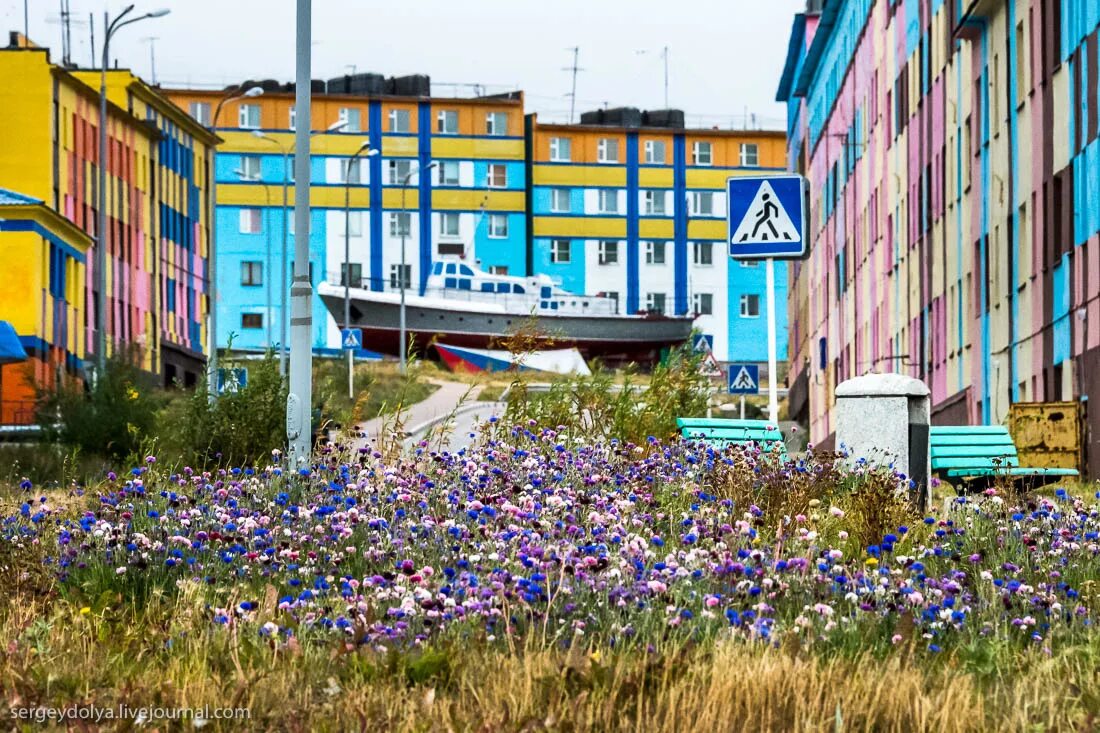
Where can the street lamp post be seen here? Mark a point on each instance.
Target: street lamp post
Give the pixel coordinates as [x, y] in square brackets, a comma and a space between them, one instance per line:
[283, 287]
[101, 224]
[364, 148]
[402, 351]
[211, 266]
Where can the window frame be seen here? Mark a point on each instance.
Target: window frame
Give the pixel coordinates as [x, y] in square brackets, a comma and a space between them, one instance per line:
[256, 220]
[608, 255]
[554, 194]
[252, 267]
[396, 114]
[656, 252]
[490, 126]
[395, 228]
[491, 170]
[649, 152]
[697, 302]
[257, 326]
[742, 155]
[745, 300]
[556, 152]
[203, 118]
[242, 114]
[444, 230]
[556, 257]
[650, 198]
[495, 232]
[447, 165]
[697, 147]
[651, 304]
[441, 118]
[602, 146]
[607, 193]
[697, 257]
[344, 114]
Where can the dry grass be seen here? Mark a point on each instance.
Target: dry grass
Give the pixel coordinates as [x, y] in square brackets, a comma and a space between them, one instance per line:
[167, 655]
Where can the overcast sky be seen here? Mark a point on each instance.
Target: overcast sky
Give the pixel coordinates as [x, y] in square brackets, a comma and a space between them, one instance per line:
[724, 58]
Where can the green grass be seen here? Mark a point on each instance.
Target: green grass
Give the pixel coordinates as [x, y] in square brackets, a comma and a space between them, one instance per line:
[379, 390]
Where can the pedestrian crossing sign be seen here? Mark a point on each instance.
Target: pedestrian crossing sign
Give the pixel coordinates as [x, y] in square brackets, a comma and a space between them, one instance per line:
[352, 338]
[744, 379]
[767, 217]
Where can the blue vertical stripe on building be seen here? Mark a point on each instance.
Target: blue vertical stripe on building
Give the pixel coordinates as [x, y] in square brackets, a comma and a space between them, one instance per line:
[374, 135]
[424, 180]
[679, 224]
[632, 263]
[983, 274]
[1014, 177]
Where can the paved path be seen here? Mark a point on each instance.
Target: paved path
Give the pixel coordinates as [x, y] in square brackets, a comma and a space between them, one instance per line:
[440, 403]
[459, 429]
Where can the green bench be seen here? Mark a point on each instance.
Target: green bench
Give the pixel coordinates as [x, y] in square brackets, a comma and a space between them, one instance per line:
[977, 455]
[721, 432]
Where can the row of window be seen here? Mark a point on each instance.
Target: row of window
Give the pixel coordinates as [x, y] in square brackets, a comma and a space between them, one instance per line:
[400, 120]
[399, 171]
[653, 152]
[656, 253]
[654, 202]
[251, 221]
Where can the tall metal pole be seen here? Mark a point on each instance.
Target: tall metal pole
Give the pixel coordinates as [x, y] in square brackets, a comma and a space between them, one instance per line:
[773, 381]
[401, 350]
[101, 223]
[299, 412]
[347, 271]
[283, 286]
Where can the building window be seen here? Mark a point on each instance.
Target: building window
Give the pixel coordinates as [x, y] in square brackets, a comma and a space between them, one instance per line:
[250, 167]
[608, 201]
[252, 320]
[560, 251]
[201, 112]
[498, 226]
[498, 270]
[448, 173]
[655, 253]
[607, 150]
[355, 223]
[750, 154]
[655, 202]
[399, 171]
[252, 273]
[451, 249]
[560, 149]
[399, 120]
[704, 254]
[399, 224]
[292, 118]
[351, 171]
[704, 304]
[350, 116]
[248, 115]
[614, 298]
[496, 123]
[609, 252]
[251, 221]
[446, 122]
[655, 302]
[749, 263]
[356, 274]
[559, 200]
[400, 276]
[702, 203]
[497, 175]
[291, 270]
[655, 151]
[448, 224]
[702, 153]
[750, 306]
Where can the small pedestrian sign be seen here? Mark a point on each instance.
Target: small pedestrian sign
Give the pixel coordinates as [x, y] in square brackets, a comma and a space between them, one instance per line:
[744, 379]
[704, 343]
[766, 217]
[231, 381]
[351, 338]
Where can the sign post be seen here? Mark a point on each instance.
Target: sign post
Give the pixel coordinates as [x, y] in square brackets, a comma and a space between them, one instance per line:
[352, 339]
[767, 220]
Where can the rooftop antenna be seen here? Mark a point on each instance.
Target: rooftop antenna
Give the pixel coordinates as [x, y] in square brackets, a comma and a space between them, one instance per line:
[152, 41]
[664, 59]
[573, 94]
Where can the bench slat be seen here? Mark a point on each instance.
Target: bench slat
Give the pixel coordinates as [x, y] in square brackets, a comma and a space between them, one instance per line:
[960, 451]
[968, 430]
[1016, 472]
[948, 440]
[939, 464]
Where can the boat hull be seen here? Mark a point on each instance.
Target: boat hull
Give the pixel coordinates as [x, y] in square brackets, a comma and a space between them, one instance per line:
[611, 338]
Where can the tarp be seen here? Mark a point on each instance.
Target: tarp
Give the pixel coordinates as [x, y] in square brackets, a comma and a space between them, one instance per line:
[558, 361]
[11, 351]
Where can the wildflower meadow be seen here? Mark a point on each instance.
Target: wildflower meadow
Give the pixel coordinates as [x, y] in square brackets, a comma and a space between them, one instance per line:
[540, 581]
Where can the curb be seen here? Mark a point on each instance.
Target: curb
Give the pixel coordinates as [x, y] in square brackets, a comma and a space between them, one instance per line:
[460, 409]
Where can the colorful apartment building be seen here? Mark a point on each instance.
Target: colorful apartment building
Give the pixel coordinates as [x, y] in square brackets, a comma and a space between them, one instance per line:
[632, 205]
[43, 296]
[954, 168]
[157, 209]
[470, 203]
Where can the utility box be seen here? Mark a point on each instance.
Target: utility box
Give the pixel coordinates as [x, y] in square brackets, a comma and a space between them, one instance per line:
[884, 418]
[1049, 434]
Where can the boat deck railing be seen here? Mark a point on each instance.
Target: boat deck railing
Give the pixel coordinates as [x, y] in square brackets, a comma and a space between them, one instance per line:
[511, 302]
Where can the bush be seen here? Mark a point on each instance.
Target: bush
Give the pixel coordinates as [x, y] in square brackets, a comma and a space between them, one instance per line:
[110, 416]
[239, 427]
[591, 406]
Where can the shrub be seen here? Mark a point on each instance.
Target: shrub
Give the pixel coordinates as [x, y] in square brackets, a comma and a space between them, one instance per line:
[594, 406]
[109, 416]
[239, 427]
